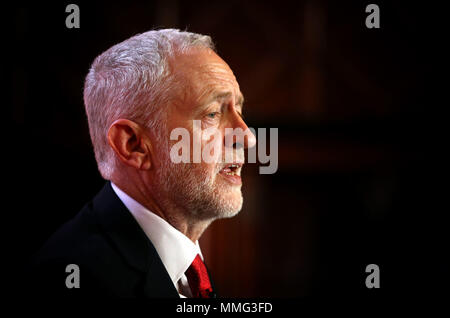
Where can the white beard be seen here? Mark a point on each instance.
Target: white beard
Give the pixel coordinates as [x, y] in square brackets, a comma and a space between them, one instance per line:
[195, 190]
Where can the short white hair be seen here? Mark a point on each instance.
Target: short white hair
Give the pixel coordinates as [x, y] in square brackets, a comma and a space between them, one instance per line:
[132, 80]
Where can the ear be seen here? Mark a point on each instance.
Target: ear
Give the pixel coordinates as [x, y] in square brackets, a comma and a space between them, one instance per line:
[130, 143]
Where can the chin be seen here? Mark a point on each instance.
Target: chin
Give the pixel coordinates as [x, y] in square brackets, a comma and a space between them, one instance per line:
[230, 204]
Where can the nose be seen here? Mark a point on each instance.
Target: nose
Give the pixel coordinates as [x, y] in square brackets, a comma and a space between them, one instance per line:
[239, 135]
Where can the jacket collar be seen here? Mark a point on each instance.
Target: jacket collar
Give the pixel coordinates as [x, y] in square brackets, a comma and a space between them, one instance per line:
[132, 243]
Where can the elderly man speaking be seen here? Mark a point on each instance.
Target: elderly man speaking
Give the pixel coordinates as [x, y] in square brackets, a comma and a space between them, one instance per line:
[139, 236]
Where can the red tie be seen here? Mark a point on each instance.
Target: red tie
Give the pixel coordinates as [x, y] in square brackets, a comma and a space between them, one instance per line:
[198, 279]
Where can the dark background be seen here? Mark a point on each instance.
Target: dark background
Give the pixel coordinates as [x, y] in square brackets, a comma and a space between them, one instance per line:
[357, 111]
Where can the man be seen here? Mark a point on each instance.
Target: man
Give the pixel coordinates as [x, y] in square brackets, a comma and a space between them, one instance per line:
[139, 236]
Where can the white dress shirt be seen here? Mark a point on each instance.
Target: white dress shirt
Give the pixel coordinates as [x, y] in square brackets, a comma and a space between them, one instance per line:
[176, 250]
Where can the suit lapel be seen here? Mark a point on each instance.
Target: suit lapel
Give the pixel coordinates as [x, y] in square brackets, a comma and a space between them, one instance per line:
[214, 293]
[132, 243]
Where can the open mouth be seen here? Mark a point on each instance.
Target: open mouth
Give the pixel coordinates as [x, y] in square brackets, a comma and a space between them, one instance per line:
[232, 169]
[232, 172]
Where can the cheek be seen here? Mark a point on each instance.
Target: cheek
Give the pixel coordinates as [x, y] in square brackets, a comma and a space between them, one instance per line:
[212, 145]
[208, 169]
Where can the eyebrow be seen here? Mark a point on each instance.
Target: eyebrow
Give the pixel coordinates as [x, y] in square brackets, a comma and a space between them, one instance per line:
[224, 95]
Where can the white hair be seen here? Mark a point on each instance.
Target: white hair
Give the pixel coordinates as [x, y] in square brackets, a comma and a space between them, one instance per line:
[132, 80]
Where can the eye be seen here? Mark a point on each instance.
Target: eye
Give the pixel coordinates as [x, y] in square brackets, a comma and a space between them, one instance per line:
[212, 115]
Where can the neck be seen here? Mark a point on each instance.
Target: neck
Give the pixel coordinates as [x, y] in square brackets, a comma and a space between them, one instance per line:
[159, 204]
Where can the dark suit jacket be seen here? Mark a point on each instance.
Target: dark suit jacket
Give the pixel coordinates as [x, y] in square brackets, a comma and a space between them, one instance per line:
[114, 256]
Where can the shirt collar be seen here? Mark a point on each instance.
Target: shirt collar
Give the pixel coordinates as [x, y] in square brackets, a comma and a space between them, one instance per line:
[176, 250]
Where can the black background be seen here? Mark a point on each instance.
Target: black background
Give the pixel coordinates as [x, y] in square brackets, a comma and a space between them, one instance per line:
[358, 112]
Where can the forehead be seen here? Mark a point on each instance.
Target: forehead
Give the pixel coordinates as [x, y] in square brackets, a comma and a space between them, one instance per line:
[205, 73]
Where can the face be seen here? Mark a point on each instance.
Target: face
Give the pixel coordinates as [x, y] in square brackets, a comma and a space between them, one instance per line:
[212, 97]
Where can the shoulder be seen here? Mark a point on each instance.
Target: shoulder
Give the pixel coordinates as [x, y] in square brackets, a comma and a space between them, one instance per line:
[109, 248]
[79, 238]
[81, 243]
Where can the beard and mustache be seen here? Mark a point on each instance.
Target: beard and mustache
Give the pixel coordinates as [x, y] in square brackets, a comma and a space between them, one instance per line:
[197, 189]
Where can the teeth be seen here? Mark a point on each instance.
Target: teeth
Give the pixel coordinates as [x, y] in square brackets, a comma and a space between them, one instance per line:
[233, 172]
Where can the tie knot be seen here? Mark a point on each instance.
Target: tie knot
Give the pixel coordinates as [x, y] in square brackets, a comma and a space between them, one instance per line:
[198, 279]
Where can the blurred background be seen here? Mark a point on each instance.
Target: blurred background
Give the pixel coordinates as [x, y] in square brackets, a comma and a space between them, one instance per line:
[356, 110]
